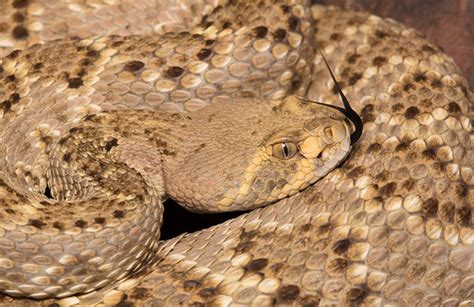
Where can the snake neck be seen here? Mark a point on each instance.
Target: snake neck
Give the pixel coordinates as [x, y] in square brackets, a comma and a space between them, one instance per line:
[139, 140]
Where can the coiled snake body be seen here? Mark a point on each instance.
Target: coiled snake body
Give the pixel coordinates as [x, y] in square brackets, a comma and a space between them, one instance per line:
[392, 225]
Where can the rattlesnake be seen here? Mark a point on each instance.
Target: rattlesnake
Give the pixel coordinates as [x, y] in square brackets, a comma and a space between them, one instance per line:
[392, 225]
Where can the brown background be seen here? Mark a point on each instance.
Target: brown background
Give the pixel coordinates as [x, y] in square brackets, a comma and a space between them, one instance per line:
[447, 23]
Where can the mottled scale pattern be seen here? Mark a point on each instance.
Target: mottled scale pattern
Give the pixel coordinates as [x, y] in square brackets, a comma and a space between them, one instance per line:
[392, 226]
[177, 72]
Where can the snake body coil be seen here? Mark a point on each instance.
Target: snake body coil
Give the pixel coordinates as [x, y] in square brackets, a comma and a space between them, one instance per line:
[393, 225]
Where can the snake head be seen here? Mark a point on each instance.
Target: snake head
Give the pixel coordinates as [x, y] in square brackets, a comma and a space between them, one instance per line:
[248, 153]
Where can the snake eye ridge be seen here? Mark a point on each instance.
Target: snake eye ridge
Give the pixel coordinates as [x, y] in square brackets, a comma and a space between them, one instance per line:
[284, 150]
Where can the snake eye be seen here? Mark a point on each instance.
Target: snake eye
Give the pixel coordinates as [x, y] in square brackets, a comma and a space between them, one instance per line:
[284, 150]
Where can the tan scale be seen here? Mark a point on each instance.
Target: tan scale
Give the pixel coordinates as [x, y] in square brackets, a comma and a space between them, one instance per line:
[392, 226]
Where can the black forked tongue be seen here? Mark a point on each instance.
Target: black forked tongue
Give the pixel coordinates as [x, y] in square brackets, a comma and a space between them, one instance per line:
[348, 111]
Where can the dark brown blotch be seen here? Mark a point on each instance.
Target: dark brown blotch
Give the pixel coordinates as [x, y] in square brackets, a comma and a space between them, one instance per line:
[354, 78]
[381, 34]
[248, 235]
[324, 229]
[437, 83]
[397, 107]
[402, 146]
[293, 23]
[305, 227]
[99, 220]
[279, 35]
[335, 36]
[58, 225]
[356, 172]
[337, 266]
[420, 77]
[204, 53]
[174, 72]
[75, 82]
[207, 24]
[309, 301]
[10, 78]
[14, 98]
[92, 53]
[80, 223]
[20, 32]
[243, 247]
[257, 264]
[134, 66]
[19, 4]
[379, 60]
[367, 113]
[446, 212]
[167, 152]
[408, 86]
[388, 189]
[375, 147]
[118, 214]
[285, 8]
[411, 112]
[275, 268]
[139, 293]
[288, 293]
[226, 25]
[382, 176]
[37, 223]
[295, 83]
[217, 9]
[429, 153]
[207, 292]
[356, 296]
[353, 58]
[454, 108]
[341, 246]
[67, 157]
[430, 207]
[111, 144]
[38, 66]
[461, 189]
[408, 184]
[74, 130]
[18, 17]
[189, 285]
[117, 44]
[463, 216]
[6, 106]
[260, 32]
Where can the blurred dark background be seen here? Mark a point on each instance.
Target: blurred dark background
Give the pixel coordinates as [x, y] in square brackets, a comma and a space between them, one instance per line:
[447, 23]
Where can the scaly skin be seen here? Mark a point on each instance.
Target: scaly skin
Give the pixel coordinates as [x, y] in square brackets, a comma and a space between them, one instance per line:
[393, 225]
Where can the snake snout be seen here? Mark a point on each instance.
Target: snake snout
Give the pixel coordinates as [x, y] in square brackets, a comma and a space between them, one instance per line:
[316, 145]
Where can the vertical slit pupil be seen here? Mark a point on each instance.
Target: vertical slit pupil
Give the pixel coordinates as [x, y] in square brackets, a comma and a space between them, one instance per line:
[286, 150]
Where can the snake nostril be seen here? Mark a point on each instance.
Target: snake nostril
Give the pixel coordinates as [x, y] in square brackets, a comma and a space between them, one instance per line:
[320, 155]
[328, 132]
